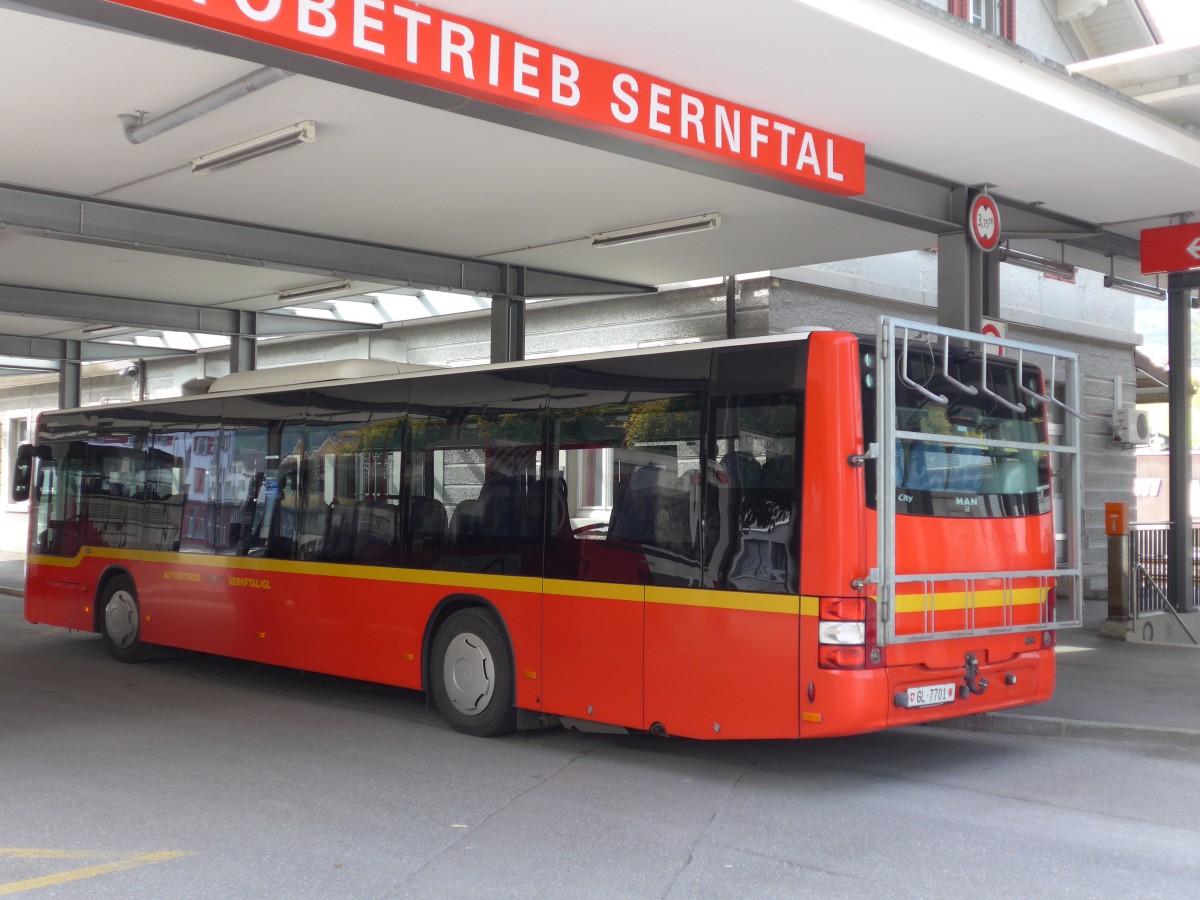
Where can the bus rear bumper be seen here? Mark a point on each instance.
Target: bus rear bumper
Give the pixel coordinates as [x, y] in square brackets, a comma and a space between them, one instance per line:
[917, 694]
[898, 696]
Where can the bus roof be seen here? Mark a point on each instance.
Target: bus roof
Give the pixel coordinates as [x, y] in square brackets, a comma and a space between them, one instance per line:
[309, 375]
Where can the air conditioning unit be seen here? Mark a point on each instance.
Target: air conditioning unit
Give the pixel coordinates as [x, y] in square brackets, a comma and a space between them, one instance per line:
[1131, 426]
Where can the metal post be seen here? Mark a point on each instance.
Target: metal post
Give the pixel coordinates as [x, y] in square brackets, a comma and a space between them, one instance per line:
[1116, 526]
[990, 282]
[1179, 347]
[69, 375]
[960, 274]
[508, 328]
[243, 346]
[730, 306]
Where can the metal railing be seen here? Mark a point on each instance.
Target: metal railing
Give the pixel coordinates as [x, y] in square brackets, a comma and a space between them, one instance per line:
[894, 337]
[1147, 588]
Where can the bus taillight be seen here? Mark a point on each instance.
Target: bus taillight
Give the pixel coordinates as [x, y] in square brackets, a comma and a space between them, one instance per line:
[846, 634]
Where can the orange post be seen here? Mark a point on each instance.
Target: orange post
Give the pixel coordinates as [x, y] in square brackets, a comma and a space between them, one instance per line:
[1116, 518]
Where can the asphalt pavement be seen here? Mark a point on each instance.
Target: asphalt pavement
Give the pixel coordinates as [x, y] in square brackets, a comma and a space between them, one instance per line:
[1107, 689]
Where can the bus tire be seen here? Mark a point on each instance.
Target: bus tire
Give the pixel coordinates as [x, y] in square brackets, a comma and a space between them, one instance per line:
[471, 674]
[120, 621]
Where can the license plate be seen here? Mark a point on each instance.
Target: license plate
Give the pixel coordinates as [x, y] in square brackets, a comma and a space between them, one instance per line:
[931, 695]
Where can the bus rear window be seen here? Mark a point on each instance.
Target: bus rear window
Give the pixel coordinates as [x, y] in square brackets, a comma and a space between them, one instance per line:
[956, 478]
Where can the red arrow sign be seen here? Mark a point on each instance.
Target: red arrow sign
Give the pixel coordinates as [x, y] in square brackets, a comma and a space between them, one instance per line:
[1175, 248]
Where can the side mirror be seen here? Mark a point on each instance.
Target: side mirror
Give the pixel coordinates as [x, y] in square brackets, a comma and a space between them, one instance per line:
[22, 473]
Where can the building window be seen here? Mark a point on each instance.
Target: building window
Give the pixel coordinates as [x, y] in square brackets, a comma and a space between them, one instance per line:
[997, 16]
[17, 434]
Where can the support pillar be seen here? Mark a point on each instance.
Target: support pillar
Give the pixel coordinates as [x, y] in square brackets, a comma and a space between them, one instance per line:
[508, 328]
[243, 346]
[1179, 347]
[69, 375]
[730, 306]
[960, 274]
[990, 282]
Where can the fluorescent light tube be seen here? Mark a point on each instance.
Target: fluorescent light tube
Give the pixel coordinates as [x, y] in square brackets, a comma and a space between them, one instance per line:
[1116, 282]
[300, 133]
[313, 291]
[671, 228]
[1042, 264]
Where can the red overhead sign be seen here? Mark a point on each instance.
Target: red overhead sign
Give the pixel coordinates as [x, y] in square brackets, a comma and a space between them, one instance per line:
[413, 42]
[1175, 248]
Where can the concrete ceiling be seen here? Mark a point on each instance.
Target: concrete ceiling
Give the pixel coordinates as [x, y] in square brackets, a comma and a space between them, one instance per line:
[924, 95]
[1165, 77]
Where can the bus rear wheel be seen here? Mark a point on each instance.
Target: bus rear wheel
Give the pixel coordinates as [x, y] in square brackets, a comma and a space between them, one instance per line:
[120, 621]
[471, 674]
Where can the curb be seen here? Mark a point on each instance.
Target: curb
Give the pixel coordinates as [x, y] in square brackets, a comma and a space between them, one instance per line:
[1047, 726]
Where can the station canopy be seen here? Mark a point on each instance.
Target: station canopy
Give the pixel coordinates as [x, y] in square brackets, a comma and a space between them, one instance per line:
[523, 180]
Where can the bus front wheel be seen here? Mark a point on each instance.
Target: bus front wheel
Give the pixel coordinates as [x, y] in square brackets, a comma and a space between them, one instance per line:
[120, 621]
[471, 674]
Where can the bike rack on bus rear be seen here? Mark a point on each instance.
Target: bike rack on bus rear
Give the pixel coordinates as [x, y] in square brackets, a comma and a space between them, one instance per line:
[894, 336]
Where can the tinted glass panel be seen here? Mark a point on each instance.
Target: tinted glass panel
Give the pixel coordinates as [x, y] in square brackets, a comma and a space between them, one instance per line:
[250, 489]
[180, 475]
[58, 494]
[935, 478]
[752, 495]
[351, 472]
[114, 488]
[626, 438]
[476, 487]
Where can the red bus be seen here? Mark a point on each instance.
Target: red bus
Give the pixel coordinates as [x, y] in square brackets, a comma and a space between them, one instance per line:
[704, 540]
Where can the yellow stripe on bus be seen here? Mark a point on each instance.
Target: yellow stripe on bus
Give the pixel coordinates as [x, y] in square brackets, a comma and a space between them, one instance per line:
[952, 600]
[260, 564]
[747, 601]
[595, 590]
[697, 597]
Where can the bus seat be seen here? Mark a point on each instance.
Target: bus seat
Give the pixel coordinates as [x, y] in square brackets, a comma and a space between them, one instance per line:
[1009, 476]
[916, 475]
[548, 498]
[743, 470]
[341, 531]
[745, 480]
[965, 469]
[779, 473]
[499, 516]
[426, 522]
[634, 518]
[464, 524]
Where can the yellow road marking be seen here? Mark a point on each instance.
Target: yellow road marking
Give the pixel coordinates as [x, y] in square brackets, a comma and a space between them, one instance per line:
[20, 853]
[120, 865]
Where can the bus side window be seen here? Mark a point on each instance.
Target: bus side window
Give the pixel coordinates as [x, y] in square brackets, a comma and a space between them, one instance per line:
[751, 535]
[59, 495]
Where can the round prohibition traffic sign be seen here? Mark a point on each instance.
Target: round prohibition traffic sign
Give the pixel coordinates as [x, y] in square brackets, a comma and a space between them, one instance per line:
[983, 221]
[993, 330]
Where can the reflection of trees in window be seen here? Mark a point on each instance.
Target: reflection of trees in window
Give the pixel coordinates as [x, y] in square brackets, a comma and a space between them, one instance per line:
[669, 419]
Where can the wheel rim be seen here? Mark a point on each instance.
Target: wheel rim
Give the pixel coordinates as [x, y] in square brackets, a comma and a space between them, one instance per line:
[468, 674]
[120, 619]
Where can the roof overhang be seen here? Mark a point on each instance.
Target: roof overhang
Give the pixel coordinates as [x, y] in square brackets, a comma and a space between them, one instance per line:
[1078, 169]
